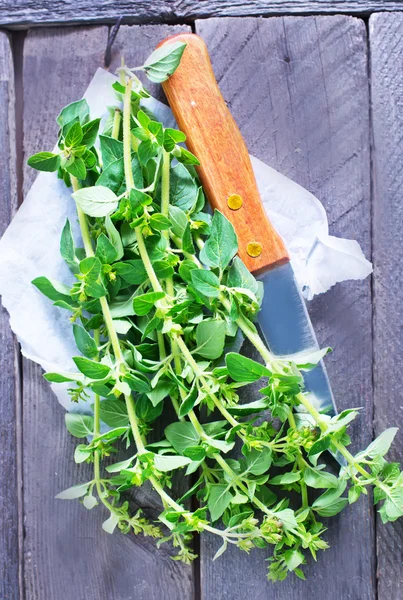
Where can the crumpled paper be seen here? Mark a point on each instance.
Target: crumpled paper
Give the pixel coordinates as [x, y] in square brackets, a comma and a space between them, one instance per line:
[319, 260]
[30, 248]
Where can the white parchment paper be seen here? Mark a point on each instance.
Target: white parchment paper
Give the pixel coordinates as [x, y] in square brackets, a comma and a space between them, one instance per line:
[30, 247]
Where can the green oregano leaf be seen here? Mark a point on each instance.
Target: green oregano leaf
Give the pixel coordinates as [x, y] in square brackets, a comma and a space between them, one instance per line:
[166, 462]
[85, 343]
[187, 240]
[244, 369]
[164, 61]
[182, 435]
[44, 161]
[178, 220]
[76, 110]
[97, 201]
[67, 247]
[106, 251]
[91, 369]
[90, 132]
[222, 244]
[258, 462]
[188, 402]
[218, 500]
[111, 150]
[114, 237]
[52, 289]
[183, 188]
[159, 222]
[61, 378]
[76, 491]
[146, 411]
[77, 168]
[74, 135]
[144, 303]
[210, 338]
[113, 413]
[206, 283]
[381, 445]
[78, 425]
[319, 479]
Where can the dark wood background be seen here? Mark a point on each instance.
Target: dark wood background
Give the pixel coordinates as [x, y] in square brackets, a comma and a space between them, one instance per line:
[320, 98]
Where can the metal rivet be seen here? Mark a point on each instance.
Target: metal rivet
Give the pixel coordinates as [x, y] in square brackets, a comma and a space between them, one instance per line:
[235, 201]
[254, 249]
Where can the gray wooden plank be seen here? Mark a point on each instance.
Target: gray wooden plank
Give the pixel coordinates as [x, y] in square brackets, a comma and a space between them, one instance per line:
[25, 13]
[298, 89]
[9, 372]
[67, 553]
[386, 47]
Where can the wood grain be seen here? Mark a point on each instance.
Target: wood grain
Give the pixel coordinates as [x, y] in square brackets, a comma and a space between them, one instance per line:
[25, 13]
[225, 167]
[386, 46]
[66, 552]
[9, 371]
[298, 88]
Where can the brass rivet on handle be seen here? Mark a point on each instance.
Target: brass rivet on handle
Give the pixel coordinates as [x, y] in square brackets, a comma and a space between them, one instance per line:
[254, 249]
[234, 201]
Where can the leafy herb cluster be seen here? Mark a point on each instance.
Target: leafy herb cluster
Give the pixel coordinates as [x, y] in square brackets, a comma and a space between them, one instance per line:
[158, 300]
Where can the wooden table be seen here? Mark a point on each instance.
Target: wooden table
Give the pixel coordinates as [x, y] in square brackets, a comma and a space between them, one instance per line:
[320, 98]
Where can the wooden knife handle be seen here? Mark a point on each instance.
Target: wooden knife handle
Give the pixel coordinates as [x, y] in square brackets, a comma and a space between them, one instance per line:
[225, 168]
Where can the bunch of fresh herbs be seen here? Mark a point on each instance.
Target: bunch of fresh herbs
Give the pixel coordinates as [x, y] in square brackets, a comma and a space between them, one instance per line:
[159, 298]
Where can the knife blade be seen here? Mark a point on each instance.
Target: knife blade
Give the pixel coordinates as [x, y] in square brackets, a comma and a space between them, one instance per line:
[229, 183]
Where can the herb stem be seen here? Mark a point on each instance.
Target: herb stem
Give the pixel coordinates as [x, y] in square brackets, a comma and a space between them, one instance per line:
[138, 439]
[175, 404]
[165, 181]
[89, 251]
[116, 123]
[242, 323]
[350, 458]
[109, 323]
[225, 467]
[193, 364]
[83, 222]
[196, 424]
[301, 464]
[323, 427]
[146, 261]
[312, 411]
[164, 496]
[178, 340]
[97, 428]
[111, 329]
[161, 345]
[252, 336]
[96, 397]
[199, 242]
[127, 148]
[166, 165]
[171, 502]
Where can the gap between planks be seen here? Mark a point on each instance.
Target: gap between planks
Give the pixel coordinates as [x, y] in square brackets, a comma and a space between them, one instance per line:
[17, 48]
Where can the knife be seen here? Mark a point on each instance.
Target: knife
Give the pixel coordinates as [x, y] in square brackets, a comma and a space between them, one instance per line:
[229, 183]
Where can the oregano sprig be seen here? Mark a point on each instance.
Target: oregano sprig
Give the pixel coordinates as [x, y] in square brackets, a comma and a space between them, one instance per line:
[159, 302]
